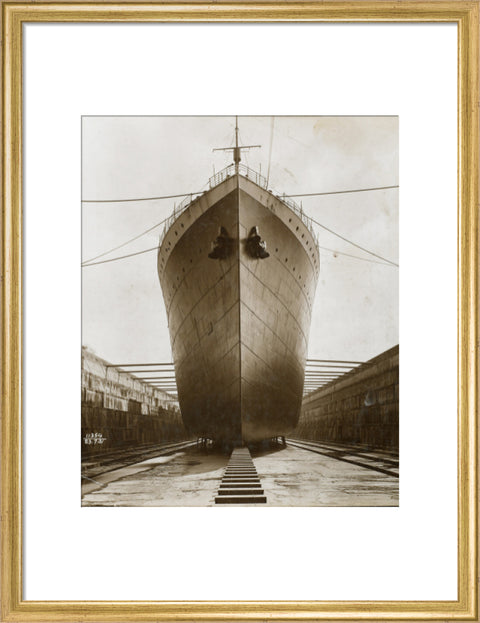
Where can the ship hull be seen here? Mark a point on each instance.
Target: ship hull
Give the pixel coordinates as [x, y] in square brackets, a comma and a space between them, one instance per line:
[239, 324]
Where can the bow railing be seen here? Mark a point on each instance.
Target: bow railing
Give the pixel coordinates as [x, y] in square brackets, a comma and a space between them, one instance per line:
[254, 176]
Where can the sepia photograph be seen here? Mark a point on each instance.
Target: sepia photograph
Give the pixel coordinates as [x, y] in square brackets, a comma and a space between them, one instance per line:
[203, 306]
[240, 321]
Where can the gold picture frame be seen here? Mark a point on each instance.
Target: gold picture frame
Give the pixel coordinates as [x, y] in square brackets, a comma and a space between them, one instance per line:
[463, 13]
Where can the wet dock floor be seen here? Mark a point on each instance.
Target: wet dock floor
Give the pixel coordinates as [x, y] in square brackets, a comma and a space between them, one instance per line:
[289, 476]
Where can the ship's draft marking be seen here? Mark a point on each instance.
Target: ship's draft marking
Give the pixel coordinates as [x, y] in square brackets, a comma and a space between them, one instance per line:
[216, 321]
[243, 345]
[188, 313]
[182, 361]
[225, 388]
[270, 329]
[203, 296]
[282, 387]
[274, 293]
[200, 370]
[197, 346]
[279, 300]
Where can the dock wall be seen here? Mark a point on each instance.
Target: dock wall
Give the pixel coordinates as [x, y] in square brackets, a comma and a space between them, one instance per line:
[119, 410]
[360, 407]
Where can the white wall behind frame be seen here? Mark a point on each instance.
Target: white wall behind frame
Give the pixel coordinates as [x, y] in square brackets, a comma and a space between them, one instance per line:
[325, 553]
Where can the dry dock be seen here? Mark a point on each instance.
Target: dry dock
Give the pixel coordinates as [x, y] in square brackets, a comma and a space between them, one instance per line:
[333, 475]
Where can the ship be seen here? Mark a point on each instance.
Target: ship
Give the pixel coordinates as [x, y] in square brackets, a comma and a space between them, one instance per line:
[238, 267]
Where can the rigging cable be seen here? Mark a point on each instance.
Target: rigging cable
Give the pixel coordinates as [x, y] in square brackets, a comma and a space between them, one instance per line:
[364, 259]
[343, 192]
[125, 243]
[121, 257]
[351, 242]
[91, 262]
[139, 199]
[270, 150]
[334, 192]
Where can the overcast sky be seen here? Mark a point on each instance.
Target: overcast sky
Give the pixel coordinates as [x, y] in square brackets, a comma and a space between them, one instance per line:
[355, 315]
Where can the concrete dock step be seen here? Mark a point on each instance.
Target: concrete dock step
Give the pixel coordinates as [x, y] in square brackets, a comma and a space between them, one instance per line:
[241, 499]
[256, 479]
[240, 483]
[240, 475]
[256, 491]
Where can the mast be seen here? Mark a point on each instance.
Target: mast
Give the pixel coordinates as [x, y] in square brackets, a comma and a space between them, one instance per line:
[237, 156]
[236, 151]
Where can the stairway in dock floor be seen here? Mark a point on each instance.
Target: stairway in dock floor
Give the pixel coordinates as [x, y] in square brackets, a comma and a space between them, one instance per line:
[240, 483]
